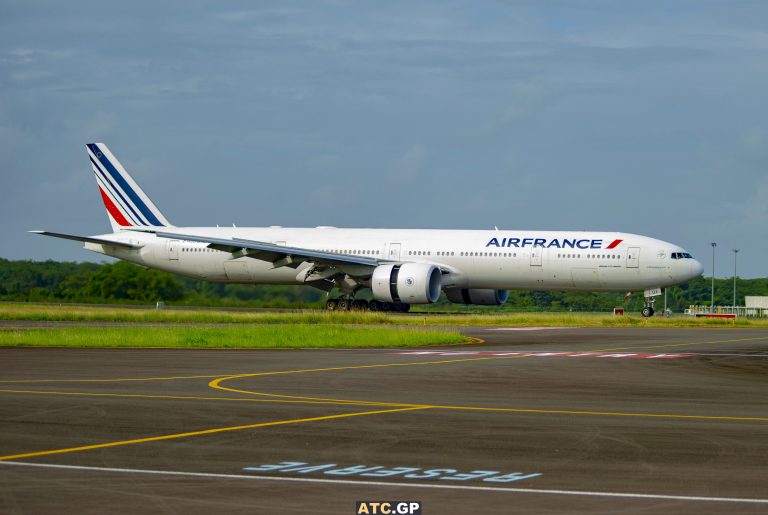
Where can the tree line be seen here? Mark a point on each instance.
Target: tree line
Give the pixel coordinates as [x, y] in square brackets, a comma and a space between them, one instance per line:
[126, 283]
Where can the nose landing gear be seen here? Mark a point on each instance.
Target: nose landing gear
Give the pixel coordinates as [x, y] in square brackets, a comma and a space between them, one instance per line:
[650, 299]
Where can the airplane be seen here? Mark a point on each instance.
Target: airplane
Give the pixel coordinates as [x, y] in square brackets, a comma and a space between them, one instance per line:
[400, 267]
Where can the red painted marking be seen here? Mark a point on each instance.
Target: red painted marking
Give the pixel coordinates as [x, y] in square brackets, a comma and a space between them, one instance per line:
[614, 244]
[113, 211]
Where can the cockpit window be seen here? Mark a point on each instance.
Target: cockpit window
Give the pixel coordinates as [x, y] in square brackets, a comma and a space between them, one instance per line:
[681, 255]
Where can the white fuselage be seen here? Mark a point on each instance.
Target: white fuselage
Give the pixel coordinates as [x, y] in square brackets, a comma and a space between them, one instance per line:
[531, 260]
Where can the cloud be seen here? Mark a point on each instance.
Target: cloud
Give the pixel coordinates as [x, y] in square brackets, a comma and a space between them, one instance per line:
[647, 118]
[411, 164]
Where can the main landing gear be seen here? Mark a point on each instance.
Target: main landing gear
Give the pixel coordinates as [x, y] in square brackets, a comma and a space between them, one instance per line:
[343, 304]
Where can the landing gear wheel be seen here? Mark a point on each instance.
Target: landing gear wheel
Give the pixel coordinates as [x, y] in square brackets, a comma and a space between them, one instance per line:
[359, 305]
[343, 305]
[650, 298]
[405, 308]
[374, 305]
[385, 306]
[332, 305]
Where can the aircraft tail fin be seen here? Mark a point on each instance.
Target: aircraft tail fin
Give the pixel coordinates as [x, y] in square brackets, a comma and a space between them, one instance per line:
[126, 203]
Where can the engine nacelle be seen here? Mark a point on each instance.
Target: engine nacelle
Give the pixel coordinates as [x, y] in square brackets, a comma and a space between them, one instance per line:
[410, 283]
[477, 296]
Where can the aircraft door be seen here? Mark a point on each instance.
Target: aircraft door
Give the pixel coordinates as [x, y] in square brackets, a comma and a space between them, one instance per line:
[633, 257]
[536, 253]
[173, 250]
[394, 251]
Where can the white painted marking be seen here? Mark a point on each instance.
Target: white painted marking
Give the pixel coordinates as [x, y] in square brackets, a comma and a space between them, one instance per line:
[394, 484]
[547, 354]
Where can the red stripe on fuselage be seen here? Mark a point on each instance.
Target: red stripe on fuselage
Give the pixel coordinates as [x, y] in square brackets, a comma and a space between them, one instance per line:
[614, 244]
[113, 211]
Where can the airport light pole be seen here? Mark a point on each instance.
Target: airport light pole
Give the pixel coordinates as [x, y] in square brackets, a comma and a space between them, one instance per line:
[712, 303]
[735, 254]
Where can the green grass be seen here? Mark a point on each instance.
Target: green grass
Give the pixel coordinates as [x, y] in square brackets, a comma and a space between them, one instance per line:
[42, 312]
[239, 336]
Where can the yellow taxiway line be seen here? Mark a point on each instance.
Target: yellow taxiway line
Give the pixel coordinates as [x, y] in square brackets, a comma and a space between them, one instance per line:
[216, 383]
[189, 397]
[397, 407]
[306, 400]
[380, 365]
[198, 433]
[670, 345]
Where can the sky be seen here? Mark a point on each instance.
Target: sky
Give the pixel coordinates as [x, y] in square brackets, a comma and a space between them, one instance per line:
[643, 117]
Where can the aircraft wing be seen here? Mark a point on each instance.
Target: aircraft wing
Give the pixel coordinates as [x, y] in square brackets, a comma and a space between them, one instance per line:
[89, 239]
[278, 255]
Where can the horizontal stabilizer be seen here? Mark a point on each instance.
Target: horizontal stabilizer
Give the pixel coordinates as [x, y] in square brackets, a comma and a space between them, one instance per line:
[88, 239]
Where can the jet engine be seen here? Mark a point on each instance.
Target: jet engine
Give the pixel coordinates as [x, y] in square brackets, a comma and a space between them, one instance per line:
[411, 283]
[477, 296]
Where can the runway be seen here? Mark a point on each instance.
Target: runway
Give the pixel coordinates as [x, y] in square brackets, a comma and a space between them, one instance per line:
[542, 420]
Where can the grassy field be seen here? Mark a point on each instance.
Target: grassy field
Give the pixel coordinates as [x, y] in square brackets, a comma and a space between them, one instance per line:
[243, 336]
[63, 312]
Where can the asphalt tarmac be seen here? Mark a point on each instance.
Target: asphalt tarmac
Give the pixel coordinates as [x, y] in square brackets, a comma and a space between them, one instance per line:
[530, 421]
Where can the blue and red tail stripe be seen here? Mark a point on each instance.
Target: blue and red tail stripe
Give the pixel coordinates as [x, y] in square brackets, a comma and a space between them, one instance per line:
[113, 211]
[124, 200]
[108, 187]
[123, 185]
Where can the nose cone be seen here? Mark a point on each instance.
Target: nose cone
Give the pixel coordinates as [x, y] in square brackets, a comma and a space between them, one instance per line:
[696, 269]
[683, 270]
